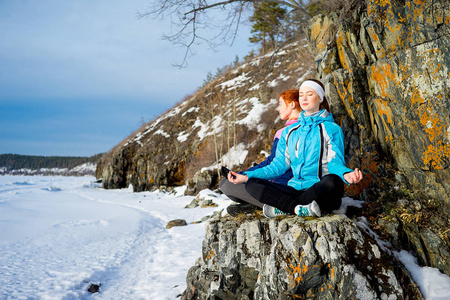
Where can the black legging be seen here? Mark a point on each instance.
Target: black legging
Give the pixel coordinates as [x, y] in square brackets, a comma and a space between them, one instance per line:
[327, 192]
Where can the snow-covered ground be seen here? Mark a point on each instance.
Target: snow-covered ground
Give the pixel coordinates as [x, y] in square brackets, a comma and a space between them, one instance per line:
[59, 235]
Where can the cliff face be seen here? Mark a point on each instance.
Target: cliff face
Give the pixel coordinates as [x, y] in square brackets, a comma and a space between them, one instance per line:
[294, 258]
[387, 67]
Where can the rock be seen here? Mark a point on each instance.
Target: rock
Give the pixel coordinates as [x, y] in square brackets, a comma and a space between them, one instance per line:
[193, 204]
[286, 258]
[205, 218]
[386, 68]
[94, 288]
[202, 180]
[207, 203]
[177, 222]
[202, 202]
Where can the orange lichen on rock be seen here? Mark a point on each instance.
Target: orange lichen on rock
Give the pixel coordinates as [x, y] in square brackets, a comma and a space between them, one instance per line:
[320, 31]
[382, 75]
[345, 91]
[383, 109]
[340, 41]
[373, 6]
[210, 255]
[376, 42]
[296, 272]
[436, 152]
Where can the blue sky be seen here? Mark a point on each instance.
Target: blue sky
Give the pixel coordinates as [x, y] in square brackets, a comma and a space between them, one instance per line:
[78, 76]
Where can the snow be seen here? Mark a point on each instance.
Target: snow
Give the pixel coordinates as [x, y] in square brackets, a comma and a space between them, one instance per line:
[192, 109]
[255, 87]
[346, 202]
[161, 132]
[203, 128]
[236, 82]
[183, 136]
[253, 117]
[432, 283]
[59, 235]
[87, 167]
[236, 156]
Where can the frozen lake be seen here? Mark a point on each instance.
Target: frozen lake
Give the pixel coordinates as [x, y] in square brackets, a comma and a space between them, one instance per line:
[58, 236]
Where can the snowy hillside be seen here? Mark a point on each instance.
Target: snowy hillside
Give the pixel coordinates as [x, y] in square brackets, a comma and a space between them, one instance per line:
[236, 109]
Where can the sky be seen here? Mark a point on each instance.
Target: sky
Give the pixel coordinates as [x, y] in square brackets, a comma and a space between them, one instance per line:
[78, 76]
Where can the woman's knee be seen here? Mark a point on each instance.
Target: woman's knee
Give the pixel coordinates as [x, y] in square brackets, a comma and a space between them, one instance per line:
[251, 184]
[333, 184]
[223, 183]
[227, 187]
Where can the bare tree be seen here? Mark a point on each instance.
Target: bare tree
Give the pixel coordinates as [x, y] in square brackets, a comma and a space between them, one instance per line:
[195, 20]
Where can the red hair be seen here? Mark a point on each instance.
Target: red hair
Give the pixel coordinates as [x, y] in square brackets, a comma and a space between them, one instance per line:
[290, 96]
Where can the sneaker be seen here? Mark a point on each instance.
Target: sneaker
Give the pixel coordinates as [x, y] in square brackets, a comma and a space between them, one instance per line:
[241, 208]
[272, 212]
[310, 210]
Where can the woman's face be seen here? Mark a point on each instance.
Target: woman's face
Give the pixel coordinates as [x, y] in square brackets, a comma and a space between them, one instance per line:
[309, 100]
[284, 109]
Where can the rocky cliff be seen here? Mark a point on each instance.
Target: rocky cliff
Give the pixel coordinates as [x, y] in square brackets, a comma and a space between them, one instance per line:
[295, 258]
[386, 65]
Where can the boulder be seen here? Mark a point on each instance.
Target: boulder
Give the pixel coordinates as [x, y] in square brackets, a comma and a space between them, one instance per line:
[295, 258]
[177, 222]
[202, 180]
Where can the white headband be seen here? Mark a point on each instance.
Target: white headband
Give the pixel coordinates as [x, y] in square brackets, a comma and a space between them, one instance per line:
[316, 87]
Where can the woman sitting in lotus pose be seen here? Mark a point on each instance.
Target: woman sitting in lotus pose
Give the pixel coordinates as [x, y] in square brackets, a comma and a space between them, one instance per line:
[313, 149]
[289, 110]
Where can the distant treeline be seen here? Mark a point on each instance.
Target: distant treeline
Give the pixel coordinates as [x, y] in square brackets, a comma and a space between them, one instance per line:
[16, 161]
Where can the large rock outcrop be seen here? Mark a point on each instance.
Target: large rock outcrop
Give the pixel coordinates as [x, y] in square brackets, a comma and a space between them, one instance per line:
[295, 258]
[386, 65]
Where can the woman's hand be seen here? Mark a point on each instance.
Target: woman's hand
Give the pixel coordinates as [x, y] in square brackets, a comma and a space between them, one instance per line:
[353, 177]
[237, 178]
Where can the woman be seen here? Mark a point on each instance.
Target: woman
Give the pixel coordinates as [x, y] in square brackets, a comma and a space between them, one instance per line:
[314, 150]
[289, 110]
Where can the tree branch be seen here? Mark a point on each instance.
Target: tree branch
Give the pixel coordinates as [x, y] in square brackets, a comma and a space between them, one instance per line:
[194, 21]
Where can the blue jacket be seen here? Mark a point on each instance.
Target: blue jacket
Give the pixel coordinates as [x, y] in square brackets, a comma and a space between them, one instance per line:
[311, 149]
[283, 178]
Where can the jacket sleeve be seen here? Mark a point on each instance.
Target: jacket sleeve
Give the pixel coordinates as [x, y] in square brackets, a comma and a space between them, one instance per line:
[269, 159]
[336, 157]
[277, 167]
